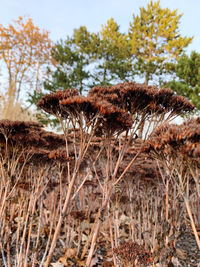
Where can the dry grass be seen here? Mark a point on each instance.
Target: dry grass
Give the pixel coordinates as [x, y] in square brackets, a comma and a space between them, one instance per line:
[13, 110]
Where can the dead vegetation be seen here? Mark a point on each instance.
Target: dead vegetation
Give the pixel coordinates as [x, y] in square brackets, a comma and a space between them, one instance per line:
[99, 195]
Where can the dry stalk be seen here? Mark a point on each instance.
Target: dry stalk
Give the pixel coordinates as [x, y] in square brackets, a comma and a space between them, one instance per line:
[83, 147]
[112, 239]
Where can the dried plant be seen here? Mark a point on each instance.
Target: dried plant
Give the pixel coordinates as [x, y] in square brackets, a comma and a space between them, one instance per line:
[148, 105]
[94, 186]
[177, 147]
[109, 112]
[26, 178]
[133, 254]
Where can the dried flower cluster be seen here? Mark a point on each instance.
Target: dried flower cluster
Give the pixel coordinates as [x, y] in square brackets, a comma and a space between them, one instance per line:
[114, 105]
[33, 139]
[131, 252]
[135, 97]
[171, 138]
[50, 102]
[109, 116]
[79, 215]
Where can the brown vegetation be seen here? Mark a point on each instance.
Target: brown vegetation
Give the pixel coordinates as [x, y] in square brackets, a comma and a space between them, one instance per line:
[78, 197]
[180, 145]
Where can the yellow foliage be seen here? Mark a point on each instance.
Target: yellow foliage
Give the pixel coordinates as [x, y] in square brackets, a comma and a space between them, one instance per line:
[24, 48]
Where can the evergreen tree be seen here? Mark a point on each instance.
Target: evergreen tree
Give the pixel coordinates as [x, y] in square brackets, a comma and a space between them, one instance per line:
[87, 59]
[69, 69]
[112, 55]
[150, 49]
[188, 78]
[156, 41]
[71, 59]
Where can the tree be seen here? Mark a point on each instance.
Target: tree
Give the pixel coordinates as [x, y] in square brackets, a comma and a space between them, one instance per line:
[156, 40]
[150, 49]
[188, 78]
[71, 59]
[70, 69]
[86, 59]
[113, 55]
[24, 49]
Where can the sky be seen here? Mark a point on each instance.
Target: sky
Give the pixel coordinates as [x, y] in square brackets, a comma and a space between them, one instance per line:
[60, 17]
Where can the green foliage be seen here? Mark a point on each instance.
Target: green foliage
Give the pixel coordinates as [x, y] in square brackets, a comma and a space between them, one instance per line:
[156, 41]
[113, 55]
[86, 59]
[188, 74]
[70, 63]
[69, 69]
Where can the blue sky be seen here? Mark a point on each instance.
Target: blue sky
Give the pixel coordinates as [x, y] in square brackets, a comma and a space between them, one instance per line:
[60, 17]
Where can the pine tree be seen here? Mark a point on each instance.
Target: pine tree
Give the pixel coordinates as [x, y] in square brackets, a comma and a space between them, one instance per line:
[188, 78]
[71, 59]
[113, 55]
[156, 40]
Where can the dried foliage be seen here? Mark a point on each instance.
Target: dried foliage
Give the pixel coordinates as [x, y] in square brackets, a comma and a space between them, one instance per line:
[148, 105]
[131, 252]
[50, 102]
[135, 97]
[31, 139]
[187, 250]
[177, 147]
[29, 134]
[94, 187]
[114, 105]
[14, 110]
[109, 117]
[66, 104]
[145, 167]
[173, 139]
